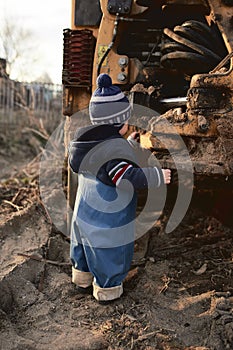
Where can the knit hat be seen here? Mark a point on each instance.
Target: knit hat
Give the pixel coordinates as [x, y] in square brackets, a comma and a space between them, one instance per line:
[108, 104]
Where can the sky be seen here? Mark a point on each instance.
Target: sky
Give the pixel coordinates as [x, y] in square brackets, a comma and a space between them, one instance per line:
[46, 20]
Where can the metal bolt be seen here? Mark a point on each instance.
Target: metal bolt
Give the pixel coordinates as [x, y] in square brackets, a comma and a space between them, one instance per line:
[123, 61]
[121, 77]
[203, 124]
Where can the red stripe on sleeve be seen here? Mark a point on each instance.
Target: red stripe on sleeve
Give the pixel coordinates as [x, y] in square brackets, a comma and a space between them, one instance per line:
[119, 173]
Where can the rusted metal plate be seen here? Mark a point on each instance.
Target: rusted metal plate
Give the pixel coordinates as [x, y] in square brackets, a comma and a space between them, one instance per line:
[77, 57]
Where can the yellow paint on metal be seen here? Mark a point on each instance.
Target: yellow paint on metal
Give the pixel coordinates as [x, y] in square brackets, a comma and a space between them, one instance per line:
[101, 51]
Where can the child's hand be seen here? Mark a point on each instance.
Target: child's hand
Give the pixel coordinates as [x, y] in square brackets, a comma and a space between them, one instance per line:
[166, 176]
[135, 136]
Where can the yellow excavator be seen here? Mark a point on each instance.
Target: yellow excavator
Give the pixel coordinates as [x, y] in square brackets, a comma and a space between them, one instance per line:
[174, 57]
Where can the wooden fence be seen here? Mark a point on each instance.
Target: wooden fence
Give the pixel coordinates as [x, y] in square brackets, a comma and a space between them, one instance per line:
[20, 103]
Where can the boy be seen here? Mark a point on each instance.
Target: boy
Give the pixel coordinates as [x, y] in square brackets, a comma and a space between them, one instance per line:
[102, 228]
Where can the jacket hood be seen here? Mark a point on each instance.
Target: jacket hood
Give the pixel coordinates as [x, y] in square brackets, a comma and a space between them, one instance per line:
[91, 145]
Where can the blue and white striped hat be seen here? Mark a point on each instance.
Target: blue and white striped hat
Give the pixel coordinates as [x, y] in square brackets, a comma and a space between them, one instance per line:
[108, 104]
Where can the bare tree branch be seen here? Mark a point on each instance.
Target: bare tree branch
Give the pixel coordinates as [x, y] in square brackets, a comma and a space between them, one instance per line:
[17, 46]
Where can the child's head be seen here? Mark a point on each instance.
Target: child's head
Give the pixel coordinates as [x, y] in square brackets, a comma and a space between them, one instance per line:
[108, 104]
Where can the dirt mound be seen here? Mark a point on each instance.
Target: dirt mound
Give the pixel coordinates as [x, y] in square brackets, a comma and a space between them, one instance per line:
[180, 297]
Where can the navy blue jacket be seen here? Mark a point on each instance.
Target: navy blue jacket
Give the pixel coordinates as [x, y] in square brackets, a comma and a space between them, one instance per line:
[103, 152]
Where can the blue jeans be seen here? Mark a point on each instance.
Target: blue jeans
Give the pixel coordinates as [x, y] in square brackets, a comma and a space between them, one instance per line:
[102, 231]
[109, 266]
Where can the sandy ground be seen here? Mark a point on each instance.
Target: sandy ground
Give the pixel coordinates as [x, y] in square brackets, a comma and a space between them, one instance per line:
[178, 297]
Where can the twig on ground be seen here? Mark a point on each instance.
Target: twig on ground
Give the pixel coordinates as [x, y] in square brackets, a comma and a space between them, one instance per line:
[141, 338]
[15, 196]
[167, 281]
[34, 160]
[12, 204]
[45, 137]
[46, 261]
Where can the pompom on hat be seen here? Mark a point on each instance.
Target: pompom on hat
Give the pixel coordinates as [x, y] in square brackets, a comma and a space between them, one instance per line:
[108, 104]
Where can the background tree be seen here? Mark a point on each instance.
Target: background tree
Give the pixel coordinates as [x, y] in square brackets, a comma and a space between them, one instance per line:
[44, 78]
[18, 46]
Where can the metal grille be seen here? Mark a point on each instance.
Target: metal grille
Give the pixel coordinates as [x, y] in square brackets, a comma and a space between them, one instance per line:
[78, 53]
